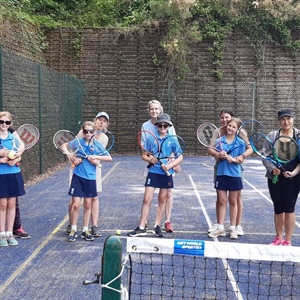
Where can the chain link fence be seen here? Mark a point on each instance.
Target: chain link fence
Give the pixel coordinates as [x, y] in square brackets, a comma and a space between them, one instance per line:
[46, 98]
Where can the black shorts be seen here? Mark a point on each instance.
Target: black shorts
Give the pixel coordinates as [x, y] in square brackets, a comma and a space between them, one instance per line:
[228, 183]
[159, 181]
[81, 187]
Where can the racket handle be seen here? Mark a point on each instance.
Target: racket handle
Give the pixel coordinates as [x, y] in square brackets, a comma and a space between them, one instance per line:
[168, 173]
[275, 179]
[149, 165]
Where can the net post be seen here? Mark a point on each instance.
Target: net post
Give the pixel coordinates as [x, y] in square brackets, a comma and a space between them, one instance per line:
[111, 268]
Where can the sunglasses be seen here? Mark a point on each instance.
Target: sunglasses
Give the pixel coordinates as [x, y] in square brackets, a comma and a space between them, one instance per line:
[163, 125]
[86, 131]
[5, 122]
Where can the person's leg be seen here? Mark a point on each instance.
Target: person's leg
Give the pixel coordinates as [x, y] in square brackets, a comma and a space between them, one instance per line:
[3, 208]
[17, 223]
[87, 204]
[95, 217]
[289, 225]
[162, 199]
[169, 206]
[221, 212]
[141, 230]
[148, 195]
[279, 220]
[18, 230]
[239, 228]
[74, 211]
[233, 195]
[3, 211]
[10, 218]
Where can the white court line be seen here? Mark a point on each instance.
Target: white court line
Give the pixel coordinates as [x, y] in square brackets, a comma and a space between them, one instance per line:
[226, 265]
[23, 266]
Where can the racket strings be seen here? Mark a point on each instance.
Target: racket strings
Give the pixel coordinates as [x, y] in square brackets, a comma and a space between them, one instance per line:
[249, 128]
[285, 149]
[208, 134]
[29, 135]
[261, 145]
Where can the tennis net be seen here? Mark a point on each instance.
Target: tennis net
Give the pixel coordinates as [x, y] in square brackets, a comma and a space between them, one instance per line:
[193, 269]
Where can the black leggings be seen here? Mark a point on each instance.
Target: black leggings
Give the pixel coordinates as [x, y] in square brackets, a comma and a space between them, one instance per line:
[284, 193]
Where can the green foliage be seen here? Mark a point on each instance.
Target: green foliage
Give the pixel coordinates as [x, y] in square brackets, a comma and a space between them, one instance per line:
[184, 22]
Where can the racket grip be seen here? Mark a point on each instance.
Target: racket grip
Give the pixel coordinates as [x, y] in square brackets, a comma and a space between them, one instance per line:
[275, 179]
[168, 173]
[149, 165]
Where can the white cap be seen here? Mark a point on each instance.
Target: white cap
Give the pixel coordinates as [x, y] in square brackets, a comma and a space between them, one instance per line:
[102, 114]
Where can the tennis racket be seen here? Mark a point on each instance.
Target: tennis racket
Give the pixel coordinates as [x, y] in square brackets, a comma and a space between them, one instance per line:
[28, 136]
[207, 134]
[279, 152]
[106, 138]
[68, 143]
[169, 149]
[247, 129]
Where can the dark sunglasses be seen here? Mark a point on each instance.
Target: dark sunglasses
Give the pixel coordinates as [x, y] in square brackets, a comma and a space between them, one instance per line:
[163, 125]
[5, 122]
[85, 131]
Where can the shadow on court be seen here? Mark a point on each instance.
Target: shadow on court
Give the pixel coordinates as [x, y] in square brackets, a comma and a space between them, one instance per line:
[47, 266]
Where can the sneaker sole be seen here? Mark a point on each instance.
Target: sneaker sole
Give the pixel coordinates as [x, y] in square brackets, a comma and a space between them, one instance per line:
[72, 240]
[223, 234]
[22, 237]
[138, 234]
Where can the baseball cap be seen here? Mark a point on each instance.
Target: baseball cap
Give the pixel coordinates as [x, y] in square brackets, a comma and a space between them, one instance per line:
[102, 114]
[286, 112]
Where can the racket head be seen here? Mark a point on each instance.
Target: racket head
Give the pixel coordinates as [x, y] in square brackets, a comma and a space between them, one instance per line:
[208, 134]
[62, 137]
[285, 149]
[248, 128]
[261, 145]
[148, 142]
[172, 147]
[29, 135]
[110, 140]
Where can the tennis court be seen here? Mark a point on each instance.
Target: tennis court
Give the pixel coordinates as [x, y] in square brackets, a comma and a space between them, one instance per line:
[48, 267]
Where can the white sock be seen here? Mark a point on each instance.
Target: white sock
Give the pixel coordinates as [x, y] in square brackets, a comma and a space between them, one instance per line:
[2, 233]
[85, 228]
[221, 227]
[9, 233]
[232, 228]
[74, 227]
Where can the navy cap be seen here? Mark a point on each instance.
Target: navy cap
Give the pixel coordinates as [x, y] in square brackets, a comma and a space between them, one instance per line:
[286, 112]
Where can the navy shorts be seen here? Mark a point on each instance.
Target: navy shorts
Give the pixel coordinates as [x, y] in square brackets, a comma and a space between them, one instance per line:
[159, 181]
[228, 183]
[12, 185]
[81, 187]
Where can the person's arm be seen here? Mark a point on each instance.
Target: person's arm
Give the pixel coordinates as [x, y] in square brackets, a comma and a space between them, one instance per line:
[291, 174]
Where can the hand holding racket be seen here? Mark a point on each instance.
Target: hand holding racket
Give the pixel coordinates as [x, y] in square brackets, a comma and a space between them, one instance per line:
[169, 149]
[69, 144]
[281, 151]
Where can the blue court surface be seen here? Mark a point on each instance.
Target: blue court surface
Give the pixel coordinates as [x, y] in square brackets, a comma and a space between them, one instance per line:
[47, 266]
